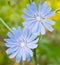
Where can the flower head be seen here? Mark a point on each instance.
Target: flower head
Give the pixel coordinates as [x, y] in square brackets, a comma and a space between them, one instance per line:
[20, 44]
[37, 19]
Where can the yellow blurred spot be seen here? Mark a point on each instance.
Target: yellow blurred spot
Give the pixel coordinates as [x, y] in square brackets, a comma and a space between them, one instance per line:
[55, 17]
[49, 2]
[58, 4]
[16, 63]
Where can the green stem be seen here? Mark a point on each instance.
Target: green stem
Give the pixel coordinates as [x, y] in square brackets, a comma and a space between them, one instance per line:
[34, 57]
[5, 24]
[57, 10]
[31, 1]
[40, 1]
[23, 62]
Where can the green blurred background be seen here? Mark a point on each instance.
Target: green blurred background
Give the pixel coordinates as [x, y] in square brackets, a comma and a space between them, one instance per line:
[48, 52]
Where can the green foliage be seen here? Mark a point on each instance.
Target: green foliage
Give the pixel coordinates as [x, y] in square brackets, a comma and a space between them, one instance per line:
[49, 46]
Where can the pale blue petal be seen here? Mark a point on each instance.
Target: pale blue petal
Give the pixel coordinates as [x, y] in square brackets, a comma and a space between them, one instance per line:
[26, 17]
[18, 31]
[15, 35]
[27, 12]
[38, 30]
[14, 30]
[9, 40]
[35, 28]
[40, 7]
[48, 26]
[10, 45]
[28, 23]
[47, 11]
[50, 14]
[33, 6]
[14, 54]
[23, 54]
[28, 57]
[10, 35]
[29, 7]
[50, 22]
[44, 6]
[33, 37]
[42, 28]
[29, 52]
[35, 41]
[26, 33]
[19, 56]
[31, 26]
[11, 50]
[32, 46]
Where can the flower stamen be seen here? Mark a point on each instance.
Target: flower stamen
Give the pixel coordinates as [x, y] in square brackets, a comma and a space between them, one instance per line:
[22, 44]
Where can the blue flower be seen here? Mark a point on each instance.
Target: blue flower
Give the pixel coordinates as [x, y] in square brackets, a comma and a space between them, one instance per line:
[37, 19]
[20, 44]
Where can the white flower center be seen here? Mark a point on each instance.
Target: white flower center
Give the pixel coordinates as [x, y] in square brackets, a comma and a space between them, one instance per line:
[22, 44]
[38, 18]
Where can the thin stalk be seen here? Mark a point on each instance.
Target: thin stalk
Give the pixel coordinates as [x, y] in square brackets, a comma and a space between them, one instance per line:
[23, 63]
[40, 1]
[34, 57]
[31, 1]
[34, 53]
[5, 25]
[57, 10]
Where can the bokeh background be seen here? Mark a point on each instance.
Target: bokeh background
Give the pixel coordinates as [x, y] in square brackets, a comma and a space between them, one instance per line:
[48, 52]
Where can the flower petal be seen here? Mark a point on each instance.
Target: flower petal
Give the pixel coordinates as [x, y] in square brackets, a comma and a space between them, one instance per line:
[27, 33]
[47, 11]
[27, 12]
[35, 41]
[33, 37]
[29, 8]
[35, 28]
[10, 34]
[18, 31]
[28, 23]
[50, 14]
[34, 6]
[48, 26]
[29, 52]
[50, 22]
[23, 54]
[26, 17]
[10, 45]
[14, 30]
[42, 29]
[32, 46]
[11, 50]
[19, 56]
[44, 6]
[27, 57]
[14, 54]
[10, 40]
